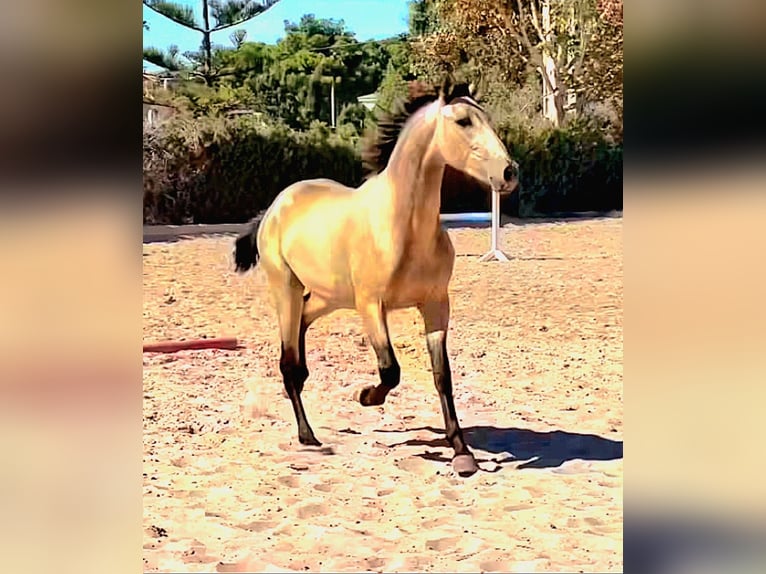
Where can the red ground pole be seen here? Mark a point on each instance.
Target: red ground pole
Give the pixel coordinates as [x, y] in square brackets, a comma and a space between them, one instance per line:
[173, 346]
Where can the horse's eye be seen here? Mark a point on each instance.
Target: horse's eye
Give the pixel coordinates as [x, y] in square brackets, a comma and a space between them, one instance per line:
[464, 122]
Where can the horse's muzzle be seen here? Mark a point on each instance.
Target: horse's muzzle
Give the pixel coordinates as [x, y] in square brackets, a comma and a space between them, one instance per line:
[510, 179]
[511, 172]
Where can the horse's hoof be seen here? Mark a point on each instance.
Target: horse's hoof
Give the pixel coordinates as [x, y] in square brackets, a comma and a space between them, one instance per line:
[368, 397]
[464, 464]
[309, 441]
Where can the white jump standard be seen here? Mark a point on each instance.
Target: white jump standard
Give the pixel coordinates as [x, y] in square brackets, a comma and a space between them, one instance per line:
[495, 253]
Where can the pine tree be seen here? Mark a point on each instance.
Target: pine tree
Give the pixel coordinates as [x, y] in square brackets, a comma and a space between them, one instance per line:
[224, 13]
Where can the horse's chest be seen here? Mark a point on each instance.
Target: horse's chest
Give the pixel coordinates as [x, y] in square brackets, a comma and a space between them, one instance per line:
[417, 279]
[423, 269]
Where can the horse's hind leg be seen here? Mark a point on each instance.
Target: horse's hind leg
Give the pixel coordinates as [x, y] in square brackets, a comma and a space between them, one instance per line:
[374, 318]
[292, 362]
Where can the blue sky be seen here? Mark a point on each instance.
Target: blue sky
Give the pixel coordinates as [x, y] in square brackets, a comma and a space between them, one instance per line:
[368, 19]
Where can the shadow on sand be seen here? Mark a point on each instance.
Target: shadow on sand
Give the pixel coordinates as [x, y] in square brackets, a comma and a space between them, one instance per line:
[693, 540]
[533, 449]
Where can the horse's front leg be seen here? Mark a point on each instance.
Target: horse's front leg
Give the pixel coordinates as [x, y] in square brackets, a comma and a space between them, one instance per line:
[374, 318]
[436, 318]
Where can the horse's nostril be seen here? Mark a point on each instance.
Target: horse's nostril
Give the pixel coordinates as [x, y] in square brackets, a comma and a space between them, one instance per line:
[511, 172]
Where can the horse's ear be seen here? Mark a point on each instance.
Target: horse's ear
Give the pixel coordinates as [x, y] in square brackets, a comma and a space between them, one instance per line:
[477, 88]
[446, 88]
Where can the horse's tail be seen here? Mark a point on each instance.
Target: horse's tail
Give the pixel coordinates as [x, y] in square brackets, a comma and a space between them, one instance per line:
[246, 247]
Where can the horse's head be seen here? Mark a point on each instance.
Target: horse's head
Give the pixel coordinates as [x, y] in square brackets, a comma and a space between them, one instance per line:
[467, 141]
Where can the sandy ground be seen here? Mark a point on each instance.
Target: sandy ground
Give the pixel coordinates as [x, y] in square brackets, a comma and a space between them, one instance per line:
[536, 352]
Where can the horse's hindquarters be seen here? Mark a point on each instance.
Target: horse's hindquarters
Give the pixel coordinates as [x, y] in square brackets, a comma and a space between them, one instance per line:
[312, 226]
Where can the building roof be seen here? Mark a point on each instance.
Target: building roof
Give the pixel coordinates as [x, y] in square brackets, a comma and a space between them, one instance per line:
[368, 100]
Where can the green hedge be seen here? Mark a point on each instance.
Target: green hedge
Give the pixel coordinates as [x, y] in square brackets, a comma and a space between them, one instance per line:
[566, 171]
[226, 171]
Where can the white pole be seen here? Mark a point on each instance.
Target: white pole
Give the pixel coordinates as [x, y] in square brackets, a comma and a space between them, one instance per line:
[495, 253]
[495, 220]
[332, 102]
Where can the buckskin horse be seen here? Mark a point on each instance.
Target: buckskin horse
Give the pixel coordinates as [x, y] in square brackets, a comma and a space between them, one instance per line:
[325, 246]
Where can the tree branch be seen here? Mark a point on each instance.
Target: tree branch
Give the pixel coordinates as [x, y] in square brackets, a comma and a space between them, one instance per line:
[584, 44]
[237, 23]
[523, 37]
[164, 60]
[174, 19]
[546, 79]
[534, 19]
[268, 4]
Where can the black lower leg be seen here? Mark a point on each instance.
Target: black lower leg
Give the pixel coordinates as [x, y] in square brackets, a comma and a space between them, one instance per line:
[443, 383]
[294, 374]
[390, 374]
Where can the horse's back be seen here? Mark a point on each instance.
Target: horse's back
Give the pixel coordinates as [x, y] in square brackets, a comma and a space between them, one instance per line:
[300, 199]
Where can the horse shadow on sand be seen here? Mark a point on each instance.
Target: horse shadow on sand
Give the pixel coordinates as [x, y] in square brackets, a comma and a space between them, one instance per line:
[522, 447]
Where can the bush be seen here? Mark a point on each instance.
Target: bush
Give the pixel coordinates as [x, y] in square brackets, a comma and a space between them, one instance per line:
[356, 116]
[565, 170]
[562, 171]
[228, 170]
[218, 170]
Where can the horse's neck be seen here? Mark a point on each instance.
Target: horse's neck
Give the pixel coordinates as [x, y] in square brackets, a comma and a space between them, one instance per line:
[414, 173]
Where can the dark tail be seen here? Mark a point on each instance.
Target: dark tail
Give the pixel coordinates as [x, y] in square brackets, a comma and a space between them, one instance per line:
[246, 248]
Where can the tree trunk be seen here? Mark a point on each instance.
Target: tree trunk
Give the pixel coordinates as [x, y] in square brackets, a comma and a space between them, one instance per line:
[553, 97]
[206, 47]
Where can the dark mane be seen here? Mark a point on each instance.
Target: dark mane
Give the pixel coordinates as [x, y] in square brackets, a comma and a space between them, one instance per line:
[379, 145]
